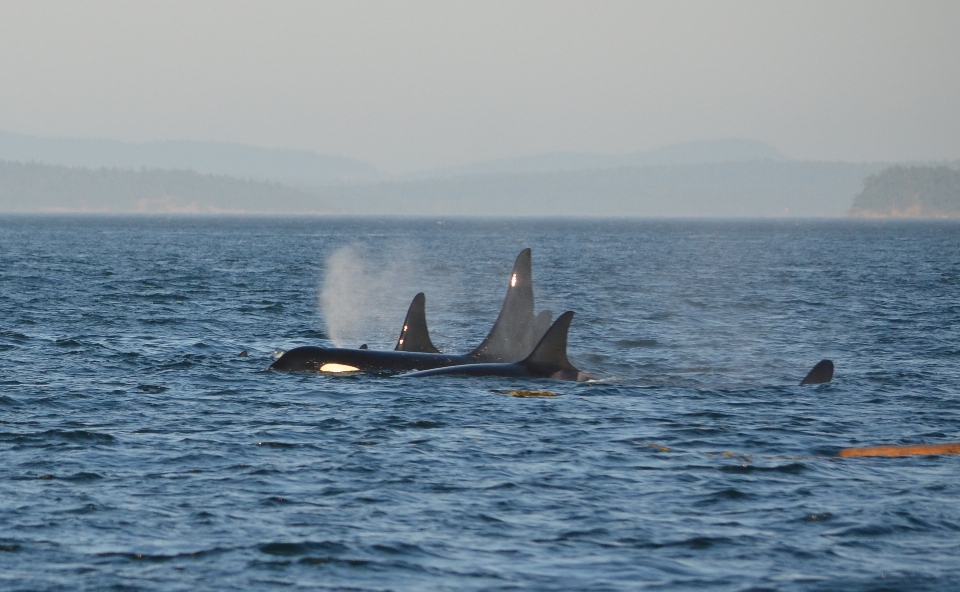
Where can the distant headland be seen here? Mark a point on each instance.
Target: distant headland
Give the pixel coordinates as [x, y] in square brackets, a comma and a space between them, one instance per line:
[910, 192]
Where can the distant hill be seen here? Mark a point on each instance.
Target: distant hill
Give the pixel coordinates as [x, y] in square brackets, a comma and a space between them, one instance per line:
[28, 187]
[910, 192]
[733, 189]
[292, 167]
[711, 151]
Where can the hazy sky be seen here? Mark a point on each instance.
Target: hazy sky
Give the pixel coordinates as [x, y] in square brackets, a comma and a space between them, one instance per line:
[409, 85]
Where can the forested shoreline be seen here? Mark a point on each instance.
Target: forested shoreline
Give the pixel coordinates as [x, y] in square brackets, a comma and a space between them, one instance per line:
[33, 187]
[910, 192]
[736, 189]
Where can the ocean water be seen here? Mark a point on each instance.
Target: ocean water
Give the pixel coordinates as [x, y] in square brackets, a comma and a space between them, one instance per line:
[138, 451]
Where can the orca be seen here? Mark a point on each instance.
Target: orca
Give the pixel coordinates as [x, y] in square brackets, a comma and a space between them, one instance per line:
[514, 334]
[547, 360]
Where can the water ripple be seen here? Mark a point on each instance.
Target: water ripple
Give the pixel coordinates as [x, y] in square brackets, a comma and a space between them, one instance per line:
[139, 449]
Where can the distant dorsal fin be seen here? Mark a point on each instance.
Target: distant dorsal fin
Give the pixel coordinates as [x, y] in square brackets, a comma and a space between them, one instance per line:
[414, 336]
[516, 331]
[822, 373]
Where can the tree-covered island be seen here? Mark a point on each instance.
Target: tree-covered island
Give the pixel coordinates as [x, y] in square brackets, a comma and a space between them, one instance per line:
[910, 192]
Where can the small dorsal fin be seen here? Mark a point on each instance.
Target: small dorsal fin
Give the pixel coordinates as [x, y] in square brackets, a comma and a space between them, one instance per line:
[822, 373]
[414, 337]
[516, 331]
[551, 353]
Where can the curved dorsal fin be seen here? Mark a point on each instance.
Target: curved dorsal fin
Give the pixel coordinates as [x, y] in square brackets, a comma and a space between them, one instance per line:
[516, 330]
[822, 373]
[549, 358]
[414, 336]
[551, 352]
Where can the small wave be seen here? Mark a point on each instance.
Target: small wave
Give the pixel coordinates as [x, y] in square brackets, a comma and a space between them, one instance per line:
[81, 436]
[83, 510]
[728, 494]
[161, 298]
[188, 361]
[315, 560]
[490, 519]
[278, 549]
[14, 335]
[161, 321]
[579, 534]
[53, 436]
[325, 560]
[274, 307]
[423, 424]
[399, 549]
[698, 543]
[84, 476]
[275, 500]
[160, 557]
[277, 444]
[151, 388]
[636, 343]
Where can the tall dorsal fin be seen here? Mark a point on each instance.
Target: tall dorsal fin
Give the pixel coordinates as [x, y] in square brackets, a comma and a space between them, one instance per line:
[516, 331]
[414, 337]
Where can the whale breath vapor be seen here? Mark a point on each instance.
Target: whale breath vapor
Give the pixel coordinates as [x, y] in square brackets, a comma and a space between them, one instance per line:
[361, 297]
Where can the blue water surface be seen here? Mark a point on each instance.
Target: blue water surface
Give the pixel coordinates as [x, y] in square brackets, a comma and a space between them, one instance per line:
[138, 451]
